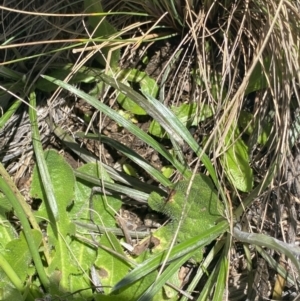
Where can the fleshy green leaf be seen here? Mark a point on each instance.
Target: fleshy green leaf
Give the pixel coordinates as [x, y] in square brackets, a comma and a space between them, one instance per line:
[198, 211]
[111, 268]
[147, 85]
[235, 162]
[63, 180]
[7, 231]
[82, 284]
[245, 118]
[18, 255]
[60, 173]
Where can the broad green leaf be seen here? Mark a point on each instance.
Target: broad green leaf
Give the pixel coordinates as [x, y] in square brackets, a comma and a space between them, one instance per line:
[190, 114]
[63, 181]
[197, 212]
[167, 171]
[257, 80]
[82, 284]
[8, 290]
[110, 268]
[245, 119]
[83, 189]
[18, 255]
[235, 162]
[103, 29]
[147, 85]
[48, 189]
[63, 260]
[85, 255]
[7, 231]
[126, 76]
[130, 170]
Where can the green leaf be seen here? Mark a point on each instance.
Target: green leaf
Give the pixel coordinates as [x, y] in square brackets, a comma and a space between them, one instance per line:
[60, 173]
[221, 280]
[167, 171]
[18, 255]
[110, 267]
[8, 290]
[7, 231]
[82, 284]
[247, 118]
[63, 181]
[182, 249]
[20, 207]
[102, 29]
[127, 124]
[169, 273]
[104, 206]
[188, 114]
[85, 255]
[258, 80]
[50, 199]
[9, 112]
[235, 162]
[83, 75]
[147, 85]
[130, 154]
[198, 211]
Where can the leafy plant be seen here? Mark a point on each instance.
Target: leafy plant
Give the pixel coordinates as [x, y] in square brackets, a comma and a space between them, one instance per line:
[222, 74]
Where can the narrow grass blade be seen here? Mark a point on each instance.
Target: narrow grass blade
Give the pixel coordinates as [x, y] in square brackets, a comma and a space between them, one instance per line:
[221, 280]
[133, 193]
[86, 156]
[39, 154]
[11, 274]
[8, 114]
[124, 122]
[262, 240]
[164, 277]
[8, 188]
[132, 155]
[182, 249]
[161, 114]
[181, 130]
[166, 118]
[204, 267]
